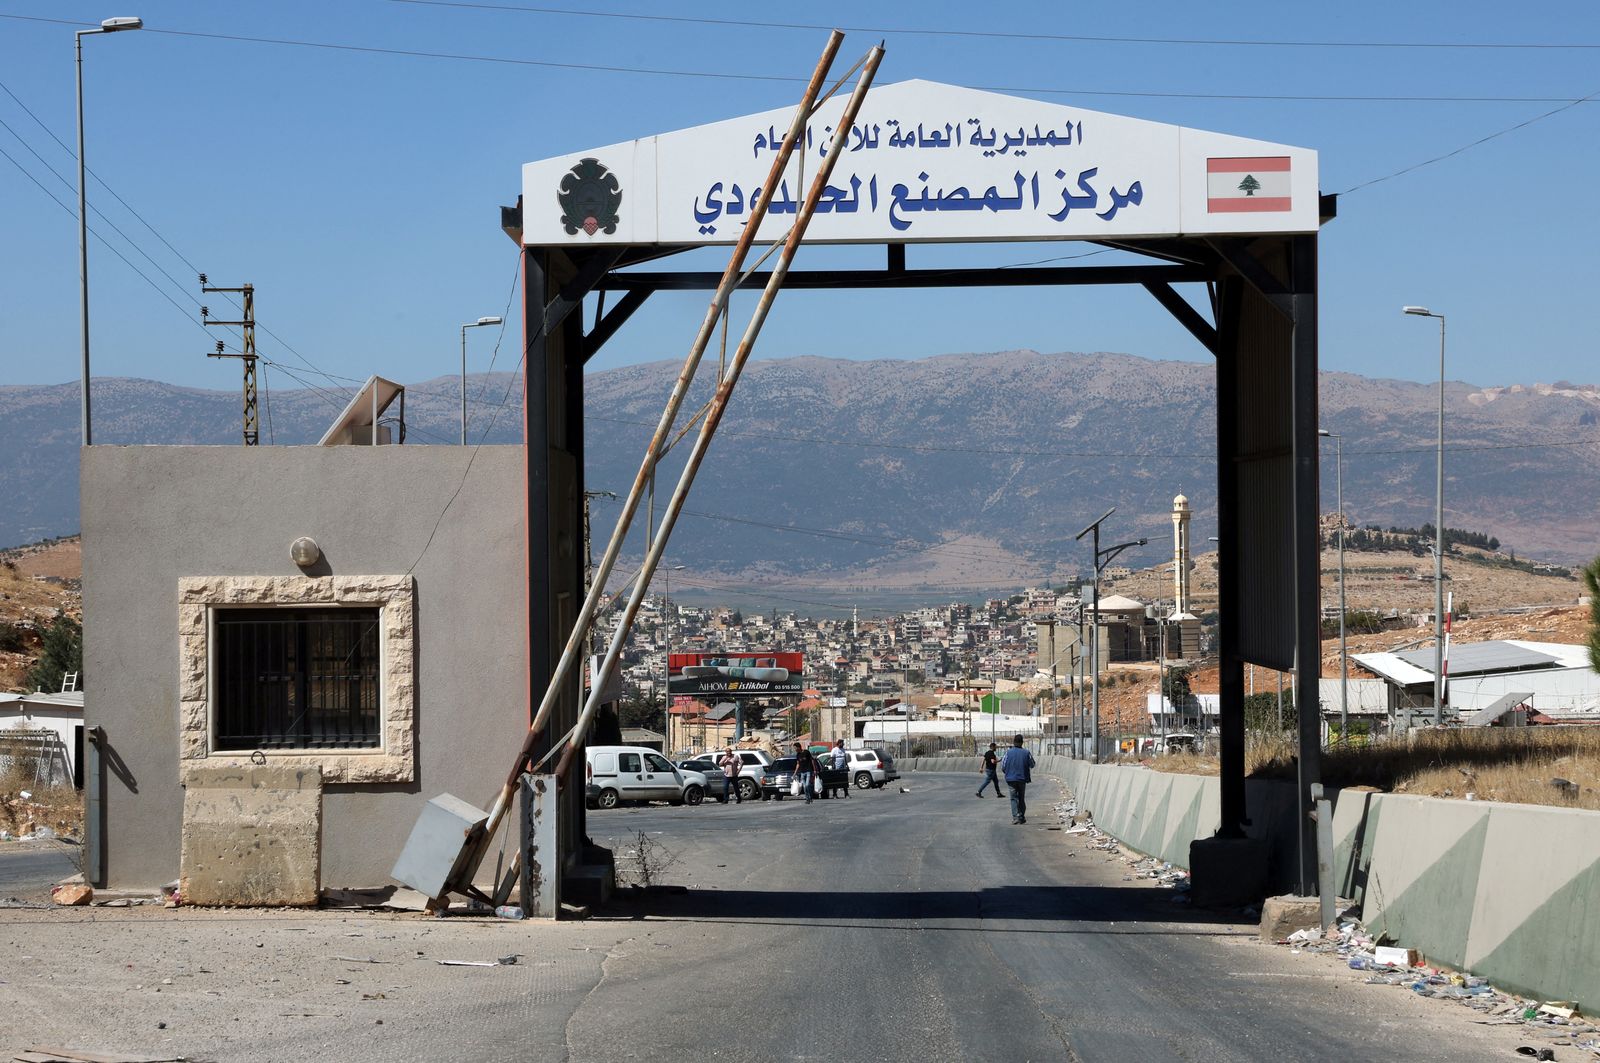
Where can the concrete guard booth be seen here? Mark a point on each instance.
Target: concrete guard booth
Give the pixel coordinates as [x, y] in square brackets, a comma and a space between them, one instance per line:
[176, 537]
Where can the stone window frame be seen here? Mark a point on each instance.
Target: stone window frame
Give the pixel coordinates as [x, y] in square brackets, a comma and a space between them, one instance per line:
[395, 599]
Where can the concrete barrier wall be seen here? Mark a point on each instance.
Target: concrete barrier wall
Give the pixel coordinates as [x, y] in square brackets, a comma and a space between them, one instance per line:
[1503, 891]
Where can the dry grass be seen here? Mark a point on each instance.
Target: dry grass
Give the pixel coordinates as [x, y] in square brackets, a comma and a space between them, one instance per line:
[60, 807]
[1524, 765]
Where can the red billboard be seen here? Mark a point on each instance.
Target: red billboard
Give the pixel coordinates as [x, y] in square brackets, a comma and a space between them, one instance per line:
[735, 675]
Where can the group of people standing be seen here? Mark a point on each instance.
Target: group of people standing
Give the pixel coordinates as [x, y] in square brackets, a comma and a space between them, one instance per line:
[807, 766]
[1017, 768]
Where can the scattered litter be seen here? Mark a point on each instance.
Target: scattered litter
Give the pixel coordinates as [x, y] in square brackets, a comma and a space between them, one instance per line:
[1300, 937]
[357, 959]
[1395, 957]
[374, 996]
[1561, 1009]
[1536, 1053]
[509, 911]
[503, 961]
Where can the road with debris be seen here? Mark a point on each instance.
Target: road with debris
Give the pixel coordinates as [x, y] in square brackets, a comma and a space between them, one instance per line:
[894, 926]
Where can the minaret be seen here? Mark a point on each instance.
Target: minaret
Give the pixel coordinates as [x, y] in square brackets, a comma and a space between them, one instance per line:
[1180, 555]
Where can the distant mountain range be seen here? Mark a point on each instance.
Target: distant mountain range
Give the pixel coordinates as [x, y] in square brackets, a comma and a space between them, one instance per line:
[963, 470]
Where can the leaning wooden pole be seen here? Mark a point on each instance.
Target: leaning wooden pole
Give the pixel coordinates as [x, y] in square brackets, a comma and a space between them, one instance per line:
[578, 637]
[719, 406]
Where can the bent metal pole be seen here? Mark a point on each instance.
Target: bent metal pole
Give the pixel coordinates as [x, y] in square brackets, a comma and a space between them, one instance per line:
[579, 634]
[719, 405]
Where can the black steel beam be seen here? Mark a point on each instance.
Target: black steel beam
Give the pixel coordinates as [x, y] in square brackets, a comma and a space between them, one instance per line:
[1230, 666]
[1238, 255]
[918, 278]
[1187, 315]
[1307, 539]
[607, 326]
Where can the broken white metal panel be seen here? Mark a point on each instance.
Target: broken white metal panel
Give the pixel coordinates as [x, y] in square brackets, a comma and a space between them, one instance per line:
[1496, 709]
[436, 852]
[929, 162]
[356, 421]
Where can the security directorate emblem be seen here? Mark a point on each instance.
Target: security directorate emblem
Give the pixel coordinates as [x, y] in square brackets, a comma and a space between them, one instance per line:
[590, 195]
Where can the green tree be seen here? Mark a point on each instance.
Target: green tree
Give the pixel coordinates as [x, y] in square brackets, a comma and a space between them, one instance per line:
[62, 653]
[1261, 711]
[1175, 687]
[1591, 580]
[1249, 185]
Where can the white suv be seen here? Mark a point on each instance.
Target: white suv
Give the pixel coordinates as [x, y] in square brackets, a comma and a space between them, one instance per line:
[870, 768]
[633, 773]
[754, 762]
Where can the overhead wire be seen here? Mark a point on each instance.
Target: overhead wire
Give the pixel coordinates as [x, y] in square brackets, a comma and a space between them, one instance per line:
[1030, 35]
[143, 221]
[1468, 147]
[415, 53]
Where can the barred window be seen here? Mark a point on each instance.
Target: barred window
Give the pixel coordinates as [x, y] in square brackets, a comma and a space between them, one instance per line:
[289, 678]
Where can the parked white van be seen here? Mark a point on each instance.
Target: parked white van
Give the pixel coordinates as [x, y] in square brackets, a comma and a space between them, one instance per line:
[633, 773]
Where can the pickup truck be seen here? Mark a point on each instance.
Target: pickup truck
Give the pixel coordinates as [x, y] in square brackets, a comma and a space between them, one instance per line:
[775, 780]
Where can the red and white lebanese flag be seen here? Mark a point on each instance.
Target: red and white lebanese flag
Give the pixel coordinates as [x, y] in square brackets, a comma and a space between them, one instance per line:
[1247, 185]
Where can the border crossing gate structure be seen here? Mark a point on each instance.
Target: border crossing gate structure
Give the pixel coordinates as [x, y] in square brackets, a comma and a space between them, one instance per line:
[1231, 220]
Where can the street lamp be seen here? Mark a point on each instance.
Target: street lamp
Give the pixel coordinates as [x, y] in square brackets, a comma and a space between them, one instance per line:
[469, 324]
[110, 25]
[1438, 533]
[1100, 558]
[1344, 667]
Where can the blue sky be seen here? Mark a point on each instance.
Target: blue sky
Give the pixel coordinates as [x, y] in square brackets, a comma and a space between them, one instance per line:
[358, 192]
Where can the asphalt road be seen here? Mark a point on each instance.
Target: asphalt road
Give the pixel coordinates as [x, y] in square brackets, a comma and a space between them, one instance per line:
[29, 869]
[925, 926]
[891, 926]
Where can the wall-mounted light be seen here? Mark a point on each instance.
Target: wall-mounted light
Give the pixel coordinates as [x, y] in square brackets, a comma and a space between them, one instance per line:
[305, 552]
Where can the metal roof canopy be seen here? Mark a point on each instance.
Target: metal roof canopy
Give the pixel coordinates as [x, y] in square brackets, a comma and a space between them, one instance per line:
[1475, 658]
[931, 163]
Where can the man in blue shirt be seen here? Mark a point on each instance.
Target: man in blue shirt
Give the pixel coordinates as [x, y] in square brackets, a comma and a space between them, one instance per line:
[1017, 767]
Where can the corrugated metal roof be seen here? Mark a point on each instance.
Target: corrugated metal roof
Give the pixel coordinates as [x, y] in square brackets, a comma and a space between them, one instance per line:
[1476, 658]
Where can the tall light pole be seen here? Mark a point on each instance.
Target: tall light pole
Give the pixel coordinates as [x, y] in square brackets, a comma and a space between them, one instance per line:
[110, 25]
[1344, 667]
[469, 324]
[1100, 558]
[1438, 534]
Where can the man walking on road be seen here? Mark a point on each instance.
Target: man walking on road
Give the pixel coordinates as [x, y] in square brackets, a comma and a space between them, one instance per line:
[1017, 767]
[840, 759]
[731, 765]
[805, 769]
[991, 764]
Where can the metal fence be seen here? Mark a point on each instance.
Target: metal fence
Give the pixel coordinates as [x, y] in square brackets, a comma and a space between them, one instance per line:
[39, 756]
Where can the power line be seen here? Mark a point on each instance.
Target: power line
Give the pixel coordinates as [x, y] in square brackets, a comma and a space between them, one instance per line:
[1468, 147]
[413, 53]
[70, 187]
[105, 243]
[129, 207]
[921, 31]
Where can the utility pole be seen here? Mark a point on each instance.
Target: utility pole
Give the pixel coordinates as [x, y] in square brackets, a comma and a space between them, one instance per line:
[252, 434]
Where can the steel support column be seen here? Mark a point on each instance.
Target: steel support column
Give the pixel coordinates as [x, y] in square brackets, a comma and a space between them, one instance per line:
[553, 287]
[1230, 719]
[1307, 541]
